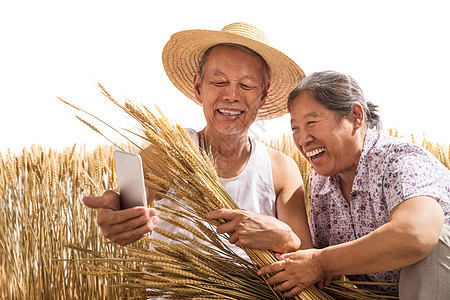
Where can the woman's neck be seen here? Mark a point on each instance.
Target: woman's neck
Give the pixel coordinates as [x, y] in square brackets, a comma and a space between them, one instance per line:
[347, 176]
[346, 185]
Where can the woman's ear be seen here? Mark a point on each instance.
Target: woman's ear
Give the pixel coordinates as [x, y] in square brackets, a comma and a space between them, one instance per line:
[357, 116]
[197, 83]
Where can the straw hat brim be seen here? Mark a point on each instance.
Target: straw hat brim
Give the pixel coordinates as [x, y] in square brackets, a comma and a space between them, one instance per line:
[183, 52]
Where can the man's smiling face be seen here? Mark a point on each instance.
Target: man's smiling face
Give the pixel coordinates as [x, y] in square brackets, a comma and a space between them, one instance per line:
[231, 90]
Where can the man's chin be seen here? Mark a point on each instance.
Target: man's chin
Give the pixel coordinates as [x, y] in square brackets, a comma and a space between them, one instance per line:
[232, 130]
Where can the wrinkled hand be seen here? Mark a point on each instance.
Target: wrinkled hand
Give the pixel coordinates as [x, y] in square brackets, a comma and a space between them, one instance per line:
[256, 231]
[295, 271]
[122, 227]
[326, 281]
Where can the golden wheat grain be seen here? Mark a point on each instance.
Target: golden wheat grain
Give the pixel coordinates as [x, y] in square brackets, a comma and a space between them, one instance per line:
[41, 213]
[179, 159]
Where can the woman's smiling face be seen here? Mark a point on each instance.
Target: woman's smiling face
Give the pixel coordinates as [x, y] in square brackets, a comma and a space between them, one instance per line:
[326, 140]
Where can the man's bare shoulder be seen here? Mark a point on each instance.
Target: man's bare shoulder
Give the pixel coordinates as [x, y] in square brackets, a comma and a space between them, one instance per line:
[283, 166]
[279, 159]
[285, 173]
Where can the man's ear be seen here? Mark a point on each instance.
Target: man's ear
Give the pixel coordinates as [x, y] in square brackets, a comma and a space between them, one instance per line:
[357, 115]
[264, 95]
[197, 83]
[261, 103]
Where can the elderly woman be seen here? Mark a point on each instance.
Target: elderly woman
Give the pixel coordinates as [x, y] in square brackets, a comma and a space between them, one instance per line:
[380, 206]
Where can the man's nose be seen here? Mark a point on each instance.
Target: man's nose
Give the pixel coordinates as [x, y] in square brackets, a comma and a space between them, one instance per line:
[232, 92]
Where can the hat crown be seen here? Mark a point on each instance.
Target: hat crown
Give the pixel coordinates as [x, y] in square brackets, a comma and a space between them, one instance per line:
[246, 30]
[184, 50]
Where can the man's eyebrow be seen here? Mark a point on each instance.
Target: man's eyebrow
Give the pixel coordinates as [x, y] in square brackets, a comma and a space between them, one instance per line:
[220, 73]
[217, 72]
[251, 77]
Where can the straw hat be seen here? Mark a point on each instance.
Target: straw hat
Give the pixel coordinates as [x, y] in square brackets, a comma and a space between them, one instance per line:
[183, 52]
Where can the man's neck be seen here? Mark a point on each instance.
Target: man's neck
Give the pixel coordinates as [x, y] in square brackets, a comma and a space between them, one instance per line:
[230, 152]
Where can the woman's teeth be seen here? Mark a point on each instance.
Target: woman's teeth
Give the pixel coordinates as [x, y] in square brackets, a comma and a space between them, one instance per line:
[314, 152]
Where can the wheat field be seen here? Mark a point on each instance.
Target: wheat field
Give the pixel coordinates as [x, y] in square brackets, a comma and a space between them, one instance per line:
[44, 224]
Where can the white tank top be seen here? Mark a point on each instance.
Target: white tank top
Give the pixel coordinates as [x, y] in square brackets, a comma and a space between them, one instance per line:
[252, 190]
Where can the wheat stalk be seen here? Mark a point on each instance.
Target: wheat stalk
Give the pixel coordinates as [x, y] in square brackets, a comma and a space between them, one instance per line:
[41, 214]
[194, 186]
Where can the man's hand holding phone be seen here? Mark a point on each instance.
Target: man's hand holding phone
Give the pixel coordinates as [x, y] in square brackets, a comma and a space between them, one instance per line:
[124, 226]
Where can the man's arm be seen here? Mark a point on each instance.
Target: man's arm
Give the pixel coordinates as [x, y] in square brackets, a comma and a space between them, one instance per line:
[257, 231]
[290, 203]
[147, 164]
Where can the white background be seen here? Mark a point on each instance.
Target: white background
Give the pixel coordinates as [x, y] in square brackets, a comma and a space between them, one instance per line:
[398, 51]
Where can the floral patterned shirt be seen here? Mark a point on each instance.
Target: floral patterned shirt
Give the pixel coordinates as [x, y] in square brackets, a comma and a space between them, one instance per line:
[389, 172]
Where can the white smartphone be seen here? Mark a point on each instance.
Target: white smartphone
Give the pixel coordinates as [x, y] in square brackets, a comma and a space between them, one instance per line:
[130, 177]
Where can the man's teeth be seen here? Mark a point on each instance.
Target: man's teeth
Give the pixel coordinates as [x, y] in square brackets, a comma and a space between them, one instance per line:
[229, 112]
[314, 152]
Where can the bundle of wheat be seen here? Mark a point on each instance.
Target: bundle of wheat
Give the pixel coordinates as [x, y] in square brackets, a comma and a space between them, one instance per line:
[41, 213]
[195, 187]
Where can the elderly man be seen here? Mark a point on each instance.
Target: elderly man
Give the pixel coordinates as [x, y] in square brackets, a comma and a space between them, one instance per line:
[237, 78]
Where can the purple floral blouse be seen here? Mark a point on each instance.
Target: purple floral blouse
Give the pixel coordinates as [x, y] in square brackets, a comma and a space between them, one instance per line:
[389, 172]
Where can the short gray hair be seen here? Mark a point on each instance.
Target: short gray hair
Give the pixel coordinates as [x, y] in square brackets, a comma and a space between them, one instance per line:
[204, 58]
[337, 92]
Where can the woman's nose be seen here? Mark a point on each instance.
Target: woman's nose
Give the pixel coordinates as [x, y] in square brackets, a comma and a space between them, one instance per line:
[303, 138]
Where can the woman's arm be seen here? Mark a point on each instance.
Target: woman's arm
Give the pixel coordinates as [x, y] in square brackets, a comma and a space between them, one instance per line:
[411, 234]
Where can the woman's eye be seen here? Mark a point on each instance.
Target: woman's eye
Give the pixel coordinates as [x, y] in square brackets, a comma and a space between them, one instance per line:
[294, 128]
[311, 123]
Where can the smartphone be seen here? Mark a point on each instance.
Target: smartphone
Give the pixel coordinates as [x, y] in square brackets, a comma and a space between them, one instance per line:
[130, 177]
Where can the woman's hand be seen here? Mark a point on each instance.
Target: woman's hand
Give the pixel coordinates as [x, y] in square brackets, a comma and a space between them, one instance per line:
[256, 231]
[295, 271]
